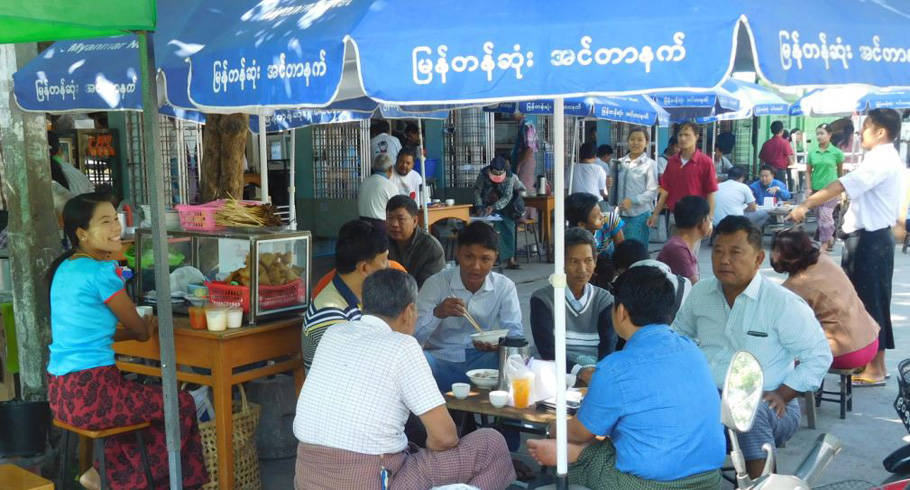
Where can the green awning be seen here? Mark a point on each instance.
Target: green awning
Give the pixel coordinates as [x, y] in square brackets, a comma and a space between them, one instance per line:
[51, 20]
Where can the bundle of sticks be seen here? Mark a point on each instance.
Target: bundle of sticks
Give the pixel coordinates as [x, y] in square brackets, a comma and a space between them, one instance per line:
[240, 214]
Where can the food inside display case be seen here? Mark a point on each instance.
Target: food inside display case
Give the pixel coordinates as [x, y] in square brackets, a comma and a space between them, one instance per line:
[263, 272]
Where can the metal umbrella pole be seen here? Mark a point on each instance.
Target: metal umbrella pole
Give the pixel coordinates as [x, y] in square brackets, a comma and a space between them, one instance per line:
[292, 188]
[423, 175]
[558, 280]
[154, 171]
[263, 160]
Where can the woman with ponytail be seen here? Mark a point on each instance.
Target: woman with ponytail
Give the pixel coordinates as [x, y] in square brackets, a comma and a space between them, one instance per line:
[85, 388]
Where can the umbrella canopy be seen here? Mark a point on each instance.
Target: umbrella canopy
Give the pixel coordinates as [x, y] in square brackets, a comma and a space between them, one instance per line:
[690, 105]
[836, 42]
[632, 109]
[43, 20]
[848, 99]
[292, 53]
[754, 100]
[285, 119]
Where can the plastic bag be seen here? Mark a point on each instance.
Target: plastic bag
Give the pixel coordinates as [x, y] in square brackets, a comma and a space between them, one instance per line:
[183, 276]
[204, 409]
[521, 382]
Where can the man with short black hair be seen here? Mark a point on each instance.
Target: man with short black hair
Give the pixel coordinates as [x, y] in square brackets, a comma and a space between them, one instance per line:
[688, 173]
[376, 190]
[739, 309]
[631, 390]
[383, 143]
[734, 198]
[777, 152]
[405, 178]
[767, 186]
[587, 175]
[418, 251]
[875, 191]
[589, 329]
[447, 295]
[361, 249]
[352, 433]
[693, 224]
[605, 159]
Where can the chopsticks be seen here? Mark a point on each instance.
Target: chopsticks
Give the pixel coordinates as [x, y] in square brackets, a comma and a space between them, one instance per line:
[472, 321]
[468, 316]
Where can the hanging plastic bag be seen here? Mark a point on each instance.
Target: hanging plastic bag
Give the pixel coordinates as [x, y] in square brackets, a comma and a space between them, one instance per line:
[184, 276]
[204, 409]
[521, 382]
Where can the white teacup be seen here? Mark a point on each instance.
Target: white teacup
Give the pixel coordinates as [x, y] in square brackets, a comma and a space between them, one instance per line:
[461, 390]
[499, 398]
[450, 202]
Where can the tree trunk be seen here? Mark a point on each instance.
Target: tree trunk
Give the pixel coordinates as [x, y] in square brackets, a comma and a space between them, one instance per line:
[224, 146]
[33, 234]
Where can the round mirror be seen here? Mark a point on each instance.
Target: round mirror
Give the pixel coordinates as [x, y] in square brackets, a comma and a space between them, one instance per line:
[742, 391]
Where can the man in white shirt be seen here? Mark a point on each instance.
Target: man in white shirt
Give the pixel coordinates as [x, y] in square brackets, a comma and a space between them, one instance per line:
[735, 198]
[739, 309]
[352, 433]
[376, 191]
[67, 180]
[382, 141]
[875, 191]
[490, 297]
[588, 176]
[405, 177]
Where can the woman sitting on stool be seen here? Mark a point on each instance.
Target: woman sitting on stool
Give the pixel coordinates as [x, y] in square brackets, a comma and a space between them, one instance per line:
[852, 333]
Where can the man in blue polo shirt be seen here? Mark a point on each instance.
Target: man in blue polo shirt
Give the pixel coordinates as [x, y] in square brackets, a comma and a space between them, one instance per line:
[655, 401]
[768, 186]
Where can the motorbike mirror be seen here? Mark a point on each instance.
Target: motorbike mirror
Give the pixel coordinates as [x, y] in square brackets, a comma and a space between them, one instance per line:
[742, 392]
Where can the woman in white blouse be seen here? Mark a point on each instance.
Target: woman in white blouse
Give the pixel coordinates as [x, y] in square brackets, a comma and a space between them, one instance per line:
[636, 187]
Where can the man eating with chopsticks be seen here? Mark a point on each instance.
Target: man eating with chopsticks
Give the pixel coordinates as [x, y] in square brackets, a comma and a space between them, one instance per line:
[471, 290]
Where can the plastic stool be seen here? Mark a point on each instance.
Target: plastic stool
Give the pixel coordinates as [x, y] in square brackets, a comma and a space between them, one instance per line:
[98, 437]
[844, 396]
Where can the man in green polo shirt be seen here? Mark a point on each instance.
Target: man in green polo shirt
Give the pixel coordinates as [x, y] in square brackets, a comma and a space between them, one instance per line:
[824, 165]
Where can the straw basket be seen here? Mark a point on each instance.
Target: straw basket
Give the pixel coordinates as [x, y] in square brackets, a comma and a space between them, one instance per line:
[246, 458]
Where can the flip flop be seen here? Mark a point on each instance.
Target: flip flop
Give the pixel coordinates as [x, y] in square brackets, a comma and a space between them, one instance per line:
[861, 382]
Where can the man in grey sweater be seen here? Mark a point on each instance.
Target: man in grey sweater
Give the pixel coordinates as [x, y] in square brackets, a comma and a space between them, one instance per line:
[418, 251]
[589, 326]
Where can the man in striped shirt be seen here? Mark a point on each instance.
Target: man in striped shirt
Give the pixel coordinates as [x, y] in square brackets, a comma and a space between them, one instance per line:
[361, 249]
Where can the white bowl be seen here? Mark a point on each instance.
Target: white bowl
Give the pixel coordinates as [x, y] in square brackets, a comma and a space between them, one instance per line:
[489, 336]
[499, 398]
[484, 378]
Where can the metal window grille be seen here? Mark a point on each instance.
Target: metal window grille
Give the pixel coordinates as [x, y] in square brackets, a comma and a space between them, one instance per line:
[468, 145]
[545, 151]
[743, 151]
[181, 150]
[341, 159]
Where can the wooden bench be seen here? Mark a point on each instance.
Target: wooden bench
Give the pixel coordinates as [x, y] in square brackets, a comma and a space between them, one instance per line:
[98, 437]
[13, 477]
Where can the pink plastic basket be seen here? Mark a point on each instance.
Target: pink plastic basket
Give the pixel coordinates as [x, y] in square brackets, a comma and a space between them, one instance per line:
[199, 217]
[270, 297]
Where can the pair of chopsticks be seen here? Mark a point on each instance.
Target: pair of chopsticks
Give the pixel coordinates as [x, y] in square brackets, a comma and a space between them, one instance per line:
[472, 321]
[470, 318]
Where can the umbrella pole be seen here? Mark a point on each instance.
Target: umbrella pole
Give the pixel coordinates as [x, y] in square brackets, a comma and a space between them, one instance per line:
[154, 170]
[558, 280]
[423, 179]
[263, 161]
[292, 188]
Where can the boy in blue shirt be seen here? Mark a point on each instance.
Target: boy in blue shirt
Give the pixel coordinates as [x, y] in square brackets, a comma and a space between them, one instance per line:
[655, 402]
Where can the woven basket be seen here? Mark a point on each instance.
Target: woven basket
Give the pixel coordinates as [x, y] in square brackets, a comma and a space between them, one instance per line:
[246, 458]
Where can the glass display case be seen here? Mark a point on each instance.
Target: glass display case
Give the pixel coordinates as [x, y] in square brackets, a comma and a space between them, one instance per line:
[276, 281]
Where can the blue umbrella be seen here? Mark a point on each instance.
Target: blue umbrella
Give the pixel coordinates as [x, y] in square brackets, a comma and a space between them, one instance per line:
[835, 42]
[754, 100]
[632, 109]
[849, 99]
[285, 119]
[86, 76]
[690, 105]
[291, 53]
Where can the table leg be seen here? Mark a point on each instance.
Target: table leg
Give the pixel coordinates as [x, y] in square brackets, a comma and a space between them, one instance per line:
[546, 231]
[224, 422]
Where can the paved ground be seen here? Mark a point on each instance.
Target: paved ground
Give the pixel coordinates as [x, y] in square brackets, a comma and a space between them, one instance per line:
[869, 433]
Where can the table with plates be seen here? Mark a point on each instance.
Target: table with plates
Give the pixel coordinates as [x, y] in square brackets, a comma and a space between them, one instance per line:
[529, 419]
[461, 212]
